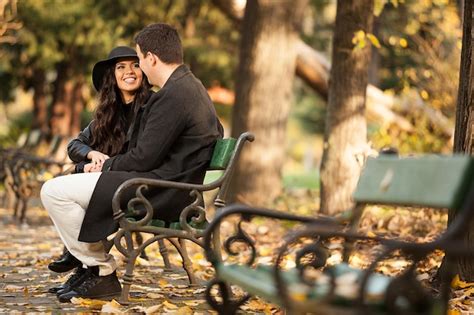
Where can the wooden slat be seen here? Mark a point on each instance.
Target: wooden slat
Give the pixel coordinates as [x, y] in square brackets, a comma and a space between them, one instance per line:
[222, 153]
[432, 181]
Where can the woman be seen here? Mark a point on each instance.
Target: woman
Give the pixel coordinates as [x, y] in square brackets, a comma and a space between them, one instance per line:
[122, 89]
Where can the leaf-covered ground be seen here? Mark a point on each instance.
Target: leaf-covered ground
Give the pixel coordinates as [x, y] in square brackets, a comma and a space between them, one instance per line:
[25, 251]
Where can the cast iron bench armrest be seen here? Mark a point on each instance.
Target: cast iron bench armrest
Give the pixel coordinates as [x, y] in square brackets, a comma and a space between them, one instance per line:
[442, 182]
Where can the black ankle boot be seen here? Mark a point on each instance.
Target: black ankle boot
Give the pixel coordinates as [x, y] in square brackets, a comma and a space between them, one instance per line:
[95, 287]
[65, 263]
[77, 277]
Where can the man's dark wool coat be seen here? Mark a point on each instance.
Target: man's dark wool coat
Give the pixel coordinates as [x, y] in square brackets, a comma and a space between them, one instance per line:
[172, 138]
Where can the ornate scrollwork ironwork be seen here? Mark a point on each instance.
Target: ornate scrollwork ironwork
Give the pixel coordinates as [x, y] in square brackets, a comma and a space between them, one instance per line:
[228, 305]
[194, 214]
[140, 199]
[311, 256]
[241, 237]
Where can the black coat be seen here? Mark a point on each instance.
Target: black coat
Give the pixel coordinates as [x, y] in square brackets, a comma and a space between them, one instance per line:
[172, 138]
[79, 147]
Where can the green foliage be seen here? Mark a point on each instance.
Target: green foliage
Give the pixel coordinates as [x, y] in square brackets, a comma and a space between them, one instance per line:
[19, 126]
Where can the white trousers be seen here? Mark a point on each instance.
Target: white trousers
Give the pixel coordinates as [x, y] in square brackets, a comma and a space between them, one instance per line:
[66, 199]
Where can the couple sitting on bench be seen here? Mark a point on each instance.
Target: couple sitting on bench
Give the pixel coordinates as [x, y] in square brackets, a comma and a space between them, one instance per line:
[171, 136]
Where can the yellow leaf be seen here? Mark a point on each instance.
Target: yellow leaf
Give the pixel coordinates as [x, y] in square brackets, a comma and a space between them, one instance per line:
[47, 176]
[454, 312]
[459, 284]
[374, 40]
[358, 36]
[403, 42]
[162, 282]
[153, 309]
[185, 310]
[112, 307]
[371, 234]
[193, 303]
[169, 305]
[94, 304]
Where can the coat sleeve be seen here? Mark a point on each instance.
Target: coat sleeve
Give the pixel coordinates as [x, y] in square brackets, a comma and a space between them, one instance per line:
[78, 148]
[165, 122]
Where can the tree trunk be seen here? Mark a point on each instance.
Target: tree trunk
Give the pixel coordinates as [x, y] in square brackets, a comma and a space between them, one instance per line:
[61, 115]
[40, 107]
[313, 68]
[77, 107]
[464, 131]
[263, 95]
[345, 136]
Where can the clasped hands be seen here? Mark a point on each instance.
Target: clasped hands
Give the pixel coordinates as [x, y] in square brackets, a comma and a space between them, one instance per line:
[97, 161]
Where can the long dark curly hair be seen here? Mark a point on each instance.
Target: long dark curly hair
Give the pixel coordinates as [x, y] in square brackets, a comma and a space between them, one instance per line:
[110, 118]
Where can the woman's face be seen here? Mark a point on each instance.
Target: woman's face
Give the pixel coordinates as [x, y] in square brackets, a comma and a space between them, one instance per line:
[129, 77]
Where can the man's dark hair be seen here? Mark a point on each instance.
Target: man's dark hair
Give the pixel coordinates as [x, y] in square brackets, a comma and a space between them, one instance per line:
[162, 40]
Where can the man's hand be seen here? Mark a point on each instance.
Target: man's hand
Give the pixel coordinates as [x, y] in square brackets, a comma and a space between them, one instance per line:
[91, 168]
[97, 158]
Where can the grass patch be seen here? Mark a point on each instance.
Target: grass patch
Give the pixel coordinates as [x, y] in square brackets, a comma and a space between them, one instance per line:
[308, 180]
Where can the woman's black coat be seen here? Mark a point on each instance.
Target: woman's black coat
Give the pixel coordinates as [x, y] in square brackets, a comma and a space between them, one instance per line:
[172, 138]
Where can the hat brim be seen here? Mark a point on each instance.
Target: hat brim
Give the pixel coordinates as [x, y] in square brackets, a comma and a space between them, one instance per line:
[98, 71]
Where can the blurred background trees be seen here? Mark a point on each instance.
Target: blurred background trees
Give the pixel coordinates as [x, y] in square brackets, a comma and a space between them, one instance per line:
[47, 50]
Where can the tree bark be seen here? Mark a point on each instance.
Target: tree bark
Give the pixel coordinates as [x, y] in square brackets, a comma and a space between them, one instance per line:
[263, 95]
[77, 106]
[464, 131]
[313, 68]
[61, 115]
[345, 137]
[40, 107]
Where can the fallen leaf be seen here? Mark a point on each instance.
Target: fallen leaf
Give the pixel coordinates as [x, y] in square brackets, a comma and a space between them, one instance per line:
[169, 305]
[153, 309]
[185, 310]
[111, 307]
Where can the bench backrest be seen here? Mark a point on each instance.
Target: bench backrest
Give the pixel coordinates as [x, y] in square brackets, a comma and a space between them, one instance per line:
[431, 181]
[223, 151]
[224, 158]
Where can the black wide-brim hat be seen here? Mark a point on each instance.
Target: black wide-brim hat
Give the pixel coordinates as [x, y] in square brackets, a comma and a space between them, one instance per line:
[100, 67]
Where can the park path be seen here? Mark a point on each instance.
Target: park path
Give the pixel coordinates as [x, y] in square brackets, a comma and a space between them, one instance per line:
[26, 250]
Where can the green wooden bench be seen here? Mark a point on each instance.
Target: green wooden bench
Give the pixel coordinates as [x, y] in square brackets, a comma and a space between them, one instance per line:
[192, 220]
[430, 181]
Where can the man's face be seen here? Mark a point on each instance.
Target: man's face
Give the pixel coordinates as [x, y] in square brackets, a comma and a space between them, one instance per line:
[144, 62]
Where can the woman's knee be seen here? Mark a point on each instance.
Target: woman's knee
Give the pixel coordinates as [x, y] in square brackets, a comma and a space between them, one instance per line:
[48, 190]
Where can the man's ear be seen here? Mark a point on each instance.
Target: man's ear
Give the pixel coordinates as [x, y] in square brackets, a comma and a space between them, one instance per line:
[153, 58]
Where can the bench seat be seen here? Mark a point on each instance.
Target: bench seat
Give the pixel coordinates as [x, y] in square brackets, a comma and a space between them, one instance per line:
[260, 281]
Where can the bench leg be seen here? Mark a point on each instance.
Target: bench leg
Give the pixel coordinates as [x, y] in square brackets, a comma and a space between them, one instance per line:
[187, 264]
[164, 255]
[139, 239]
[128, 276]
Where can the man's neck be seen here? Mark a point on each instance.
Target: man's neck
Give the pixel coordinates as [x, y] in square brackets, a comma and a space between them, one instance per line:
[165, 73]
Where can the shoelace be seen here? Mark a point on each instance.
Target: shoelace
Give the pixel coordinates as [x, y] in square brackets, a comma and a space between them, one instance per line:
[87, 284]
[76, 276]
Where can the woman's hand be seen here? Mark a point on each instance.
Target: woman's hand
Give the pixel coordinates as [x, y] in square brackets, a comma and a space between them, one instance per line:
[97, 158]
[91, 168]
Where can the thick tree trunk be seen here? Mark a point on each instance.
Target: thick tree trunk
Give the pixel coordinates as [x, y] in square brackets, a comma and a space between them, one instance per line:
[40, 107]
[345, 135]
[464, 131]
[61, 113]
[313, 68]
[263, 95]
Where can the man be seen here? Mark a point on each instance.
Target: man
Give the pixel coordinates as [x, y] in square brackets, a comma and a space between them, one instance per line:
[172, 138]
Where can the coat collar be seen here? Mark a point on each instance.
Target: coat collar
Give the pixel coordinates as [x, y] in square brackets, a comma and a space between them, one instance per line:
[177, 74]
[181, 71]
